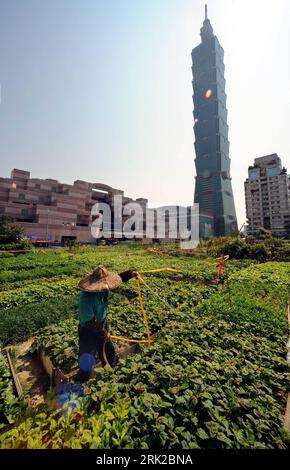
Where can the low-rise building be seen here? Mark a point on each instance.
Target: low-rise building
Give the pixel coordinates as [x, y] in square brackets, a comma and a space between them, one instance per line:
[52, 211]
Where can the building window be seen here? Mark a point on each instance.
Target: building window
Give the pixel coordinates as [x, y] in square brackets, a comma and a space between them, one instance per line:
[24, 212]
[21, 197]
[254, 175]
[37, 186]
[83, 220]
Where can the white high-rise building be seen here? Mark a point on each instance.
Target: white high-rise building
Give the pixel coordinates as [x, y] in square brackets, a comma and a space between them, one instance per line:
[267, 191]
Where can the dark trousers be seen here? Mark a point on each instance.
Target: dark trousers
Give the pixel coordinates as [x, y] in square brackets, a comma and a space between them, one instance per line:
[91, 341]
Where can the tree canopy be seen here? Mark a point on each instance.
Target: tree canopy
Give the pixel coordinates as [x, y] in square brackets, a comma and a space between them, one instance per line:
[10, 232]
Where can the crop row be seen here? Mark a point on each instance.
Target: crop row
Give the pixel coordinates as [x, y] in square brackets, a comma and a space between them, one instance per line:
[40, 272]
[257, 296]
[18, 323]
[10, 405]
[269, 279]
[36, 293]
[50, 257]
[33, 260]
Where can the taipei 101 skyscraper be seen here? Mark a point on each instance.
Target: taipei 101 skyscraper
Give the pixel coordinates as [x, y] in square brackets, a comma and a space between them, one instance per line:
[213, 188]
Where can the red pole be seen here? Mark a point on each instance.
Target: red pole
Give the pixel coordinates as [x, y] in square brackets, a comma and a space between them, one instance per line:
[220, 269]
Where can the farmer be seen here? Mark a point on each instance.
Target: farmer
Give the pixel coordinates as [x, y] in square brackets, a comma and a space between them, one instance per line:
[93, 327]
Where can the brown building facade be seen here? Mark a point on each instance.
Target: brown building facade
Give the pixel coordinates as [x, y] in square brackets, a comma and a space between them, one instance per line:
[52, 211]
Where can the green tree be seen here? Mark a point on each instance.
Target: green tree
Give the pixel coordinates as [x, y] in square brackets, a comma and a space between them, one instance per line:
[10, 232]
[264, 234]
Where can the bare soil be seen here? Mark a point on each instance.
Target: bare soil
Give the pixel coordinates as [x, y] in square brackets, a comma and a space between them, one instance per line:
[33, 379]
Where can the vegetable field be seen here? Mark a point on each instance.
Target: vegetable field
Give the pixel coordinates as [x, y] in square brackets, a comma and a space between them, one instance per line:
[10, 406]
[216, 375]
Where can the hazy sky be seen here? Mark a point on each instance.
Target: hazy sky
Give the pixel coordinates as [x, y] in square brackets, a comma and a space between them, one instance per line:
[100, 90]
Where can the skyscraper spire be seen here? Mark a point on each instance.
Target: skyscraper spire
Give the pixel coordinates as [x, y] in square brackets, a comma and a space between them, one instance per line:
[206, 31]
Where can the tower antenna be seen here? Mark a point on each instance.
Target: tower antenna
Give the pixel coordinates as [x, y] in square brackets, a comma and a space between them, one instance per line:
[206, 11]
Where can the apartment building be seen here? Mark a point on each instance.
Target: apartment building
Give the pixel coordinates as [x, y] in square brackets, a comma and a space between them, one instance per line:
[267, 191]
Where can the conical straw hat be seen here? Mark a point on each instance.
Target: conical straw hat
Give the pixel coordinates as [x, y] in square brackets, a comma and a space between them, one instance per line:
[99, 280]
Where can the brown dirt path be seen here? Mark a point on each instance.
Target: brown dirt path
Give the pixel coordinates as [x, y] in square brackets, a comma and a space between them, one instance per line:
[33, 379]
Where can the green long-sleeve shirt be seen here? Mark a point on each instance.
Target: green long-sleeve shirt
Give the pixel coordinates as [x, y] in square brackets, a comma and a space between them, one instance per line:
[95, 304]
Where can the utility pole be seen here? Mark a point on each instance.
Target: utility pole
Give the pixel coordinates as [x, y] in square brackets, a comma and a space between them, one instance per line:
[47, 219]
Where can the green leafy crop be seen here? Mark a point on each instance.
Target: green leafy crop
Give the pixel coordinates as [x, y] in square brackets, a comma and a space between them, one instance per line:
[215, 377]
[10, 405]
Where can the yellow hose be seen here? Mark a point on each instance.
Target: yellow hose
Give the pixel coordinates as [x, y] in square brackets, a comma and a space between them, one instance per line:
[126, 340]
[105, 355]
[226, 257]
[142, 309]
[170, 270]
